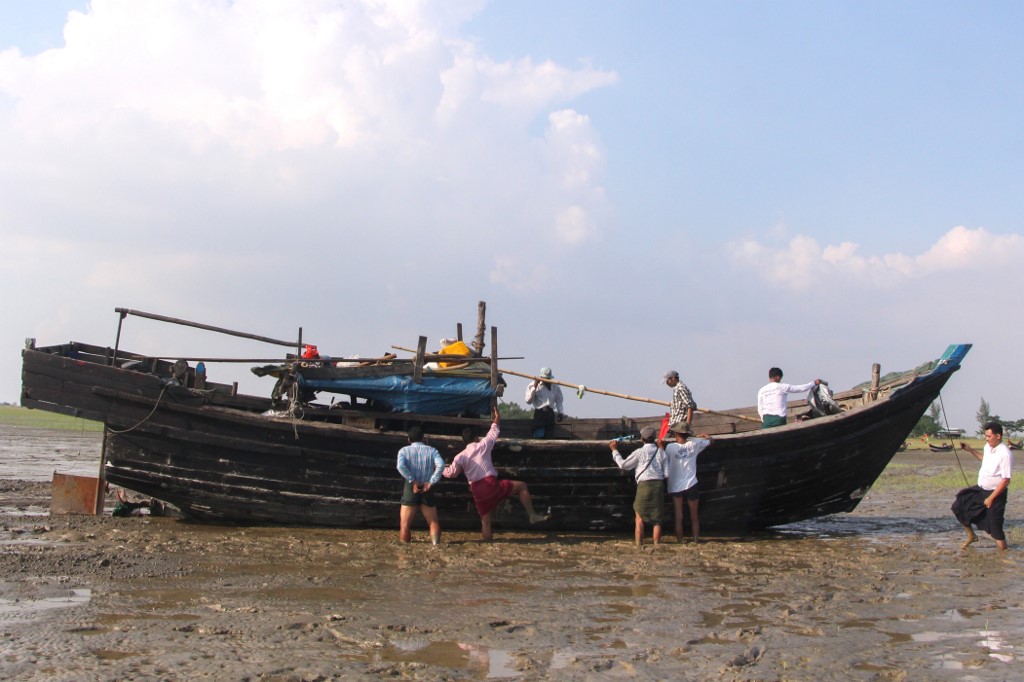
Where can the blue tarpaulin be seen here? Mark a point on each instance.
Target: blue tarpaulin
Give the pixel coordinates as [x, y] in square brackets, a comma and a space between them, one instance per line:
[436, 395]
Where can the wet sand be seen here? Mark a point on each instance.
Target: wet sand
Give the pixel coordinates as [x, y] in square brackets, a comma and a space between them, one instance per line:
[880, 594]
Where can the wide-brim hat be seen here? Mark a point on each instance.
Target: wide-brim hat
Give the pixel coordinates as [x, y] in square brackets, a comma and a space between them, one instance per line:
[546, 373]
[682, 428]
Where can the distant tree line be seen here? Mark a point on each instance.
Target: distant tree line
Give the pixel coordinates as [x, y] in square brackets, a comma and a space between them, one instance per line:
[984, 416]
[513, 411]
[931, 422]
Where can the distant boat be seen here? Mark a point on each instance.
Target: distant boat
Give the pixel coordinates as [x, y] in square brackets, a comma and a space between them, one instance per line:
[219, 456]
[1019, 445]
[945, 447]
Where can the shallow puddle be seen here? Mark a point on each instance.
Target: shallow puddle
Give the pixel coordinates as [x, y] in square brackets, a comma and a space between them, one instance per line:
[23, 610]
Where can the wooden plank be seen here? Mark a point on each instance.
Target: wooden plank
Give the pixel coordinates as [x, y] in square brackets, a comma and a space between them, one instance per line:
[417, 371]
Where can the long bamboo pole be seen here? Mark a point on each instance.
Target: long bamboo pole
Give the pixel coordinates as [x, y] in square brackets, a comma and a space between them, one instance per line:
[609, 393]
[626, 397]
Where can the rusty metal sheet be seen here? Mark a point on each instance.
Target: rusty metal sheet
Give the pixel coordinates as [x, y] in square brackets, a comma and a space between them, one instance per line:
[74, 494]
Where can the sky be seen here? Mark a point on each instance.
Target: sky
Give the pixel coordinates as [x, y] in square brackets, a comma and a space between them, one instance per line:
[715, 188]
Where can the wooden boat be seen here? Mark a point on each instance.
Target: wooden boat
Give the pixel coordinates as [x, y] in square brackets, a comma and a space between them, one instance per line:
[1016, 446]
[221, 456]
[945, 447]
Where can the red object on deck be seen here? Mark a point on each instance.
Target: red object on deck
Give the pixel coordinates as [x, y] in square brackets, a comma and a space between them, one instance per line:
[664, 427]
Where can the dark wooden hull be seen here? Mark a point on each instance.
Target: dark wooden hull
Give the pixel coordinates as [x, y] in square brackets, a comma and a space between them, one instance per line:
[217, 458]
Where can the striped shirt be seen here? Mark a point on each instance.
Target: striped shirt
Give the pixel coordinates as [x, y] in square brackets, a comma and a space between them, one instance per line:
[682, 401]
[420, 463]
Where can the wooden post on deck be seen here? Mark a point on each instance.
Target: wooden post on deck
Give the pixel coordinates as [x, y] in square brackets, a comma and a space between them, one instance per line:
[481, 327]
[494, 357]
[417, 368]
[876, 374]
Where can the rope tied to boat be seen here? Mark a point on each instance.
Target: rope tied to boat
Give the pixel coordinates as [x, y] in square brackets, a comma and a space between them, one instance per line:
[295, 411]
[144, 419]
[955, 453]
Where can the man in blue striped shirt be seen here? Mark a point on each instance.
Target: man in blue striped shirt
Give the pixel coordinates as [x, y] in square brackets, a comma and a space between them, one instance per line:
[421, 467]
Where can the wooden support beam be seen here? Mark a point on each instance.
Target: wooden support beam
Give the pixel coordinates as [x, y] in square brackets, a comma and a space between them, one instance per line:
[417, 369]
[481, 328]
[494, 357]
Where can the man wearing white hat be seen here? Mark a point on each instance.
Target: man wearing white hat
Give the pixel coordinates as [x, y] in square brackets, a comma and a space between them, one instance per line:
[545, 398]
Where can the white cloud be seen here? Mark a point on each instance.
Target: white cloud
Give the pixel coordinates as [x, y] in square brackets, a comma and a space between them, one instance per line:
[573, 225]
[265, 76]
[803, 262]
[519, 276]
[231, 127]
[312, 159]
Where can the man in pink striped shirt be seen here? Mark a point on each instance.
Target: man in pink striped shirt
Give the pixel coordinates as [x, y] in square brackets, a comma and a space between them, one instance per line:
[488, 491]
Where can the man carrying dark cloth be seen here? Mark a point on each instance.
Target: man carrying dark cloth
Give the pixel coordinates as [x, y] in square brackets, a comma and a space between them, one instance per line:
[651, 467]
[488, 491]
[984, 505]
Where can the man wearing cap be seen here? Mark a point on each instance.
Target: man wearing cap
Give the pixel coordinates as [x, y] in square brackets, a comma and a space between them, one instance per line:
[545, 398]
[771, 399]
[683, 403]
[682, 475]
[651, 468]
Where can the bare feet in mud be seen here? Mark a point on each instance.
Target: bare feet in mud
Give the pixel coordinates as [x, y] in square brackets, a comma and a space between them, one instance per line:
[971, 539]
[539, 518]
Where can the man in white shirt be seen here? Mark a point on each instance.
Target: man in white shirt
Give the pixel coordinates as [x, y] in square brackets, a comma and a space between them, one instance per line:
[984, 505]
[545, 398]
[651, 469]
[771, 399]
[682, 475]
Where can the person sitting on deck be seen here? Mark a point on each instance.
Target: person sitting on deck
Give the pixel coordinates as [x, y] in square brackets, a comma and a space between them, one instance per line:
[771, 399]
[488, 491]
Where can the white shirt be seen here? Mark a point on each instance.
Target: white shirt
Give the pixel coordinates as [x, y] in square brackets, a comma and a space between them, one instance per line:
[542, 396]
[682, 463]
[649, 462]
[996, 464]
[771, 399]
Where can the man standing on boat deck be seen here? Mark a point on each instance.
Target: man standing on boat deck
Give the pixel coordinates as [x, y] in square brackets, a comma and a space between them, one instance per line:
[651, 468]
[421, 467]
[984, 504]
[771, 399]
[683, 403]
[545, 398]
[488, 491]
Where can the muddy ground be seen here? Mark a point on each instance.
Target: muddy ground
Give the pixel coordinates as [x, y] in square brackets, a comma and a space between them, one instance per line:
[884, 593]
